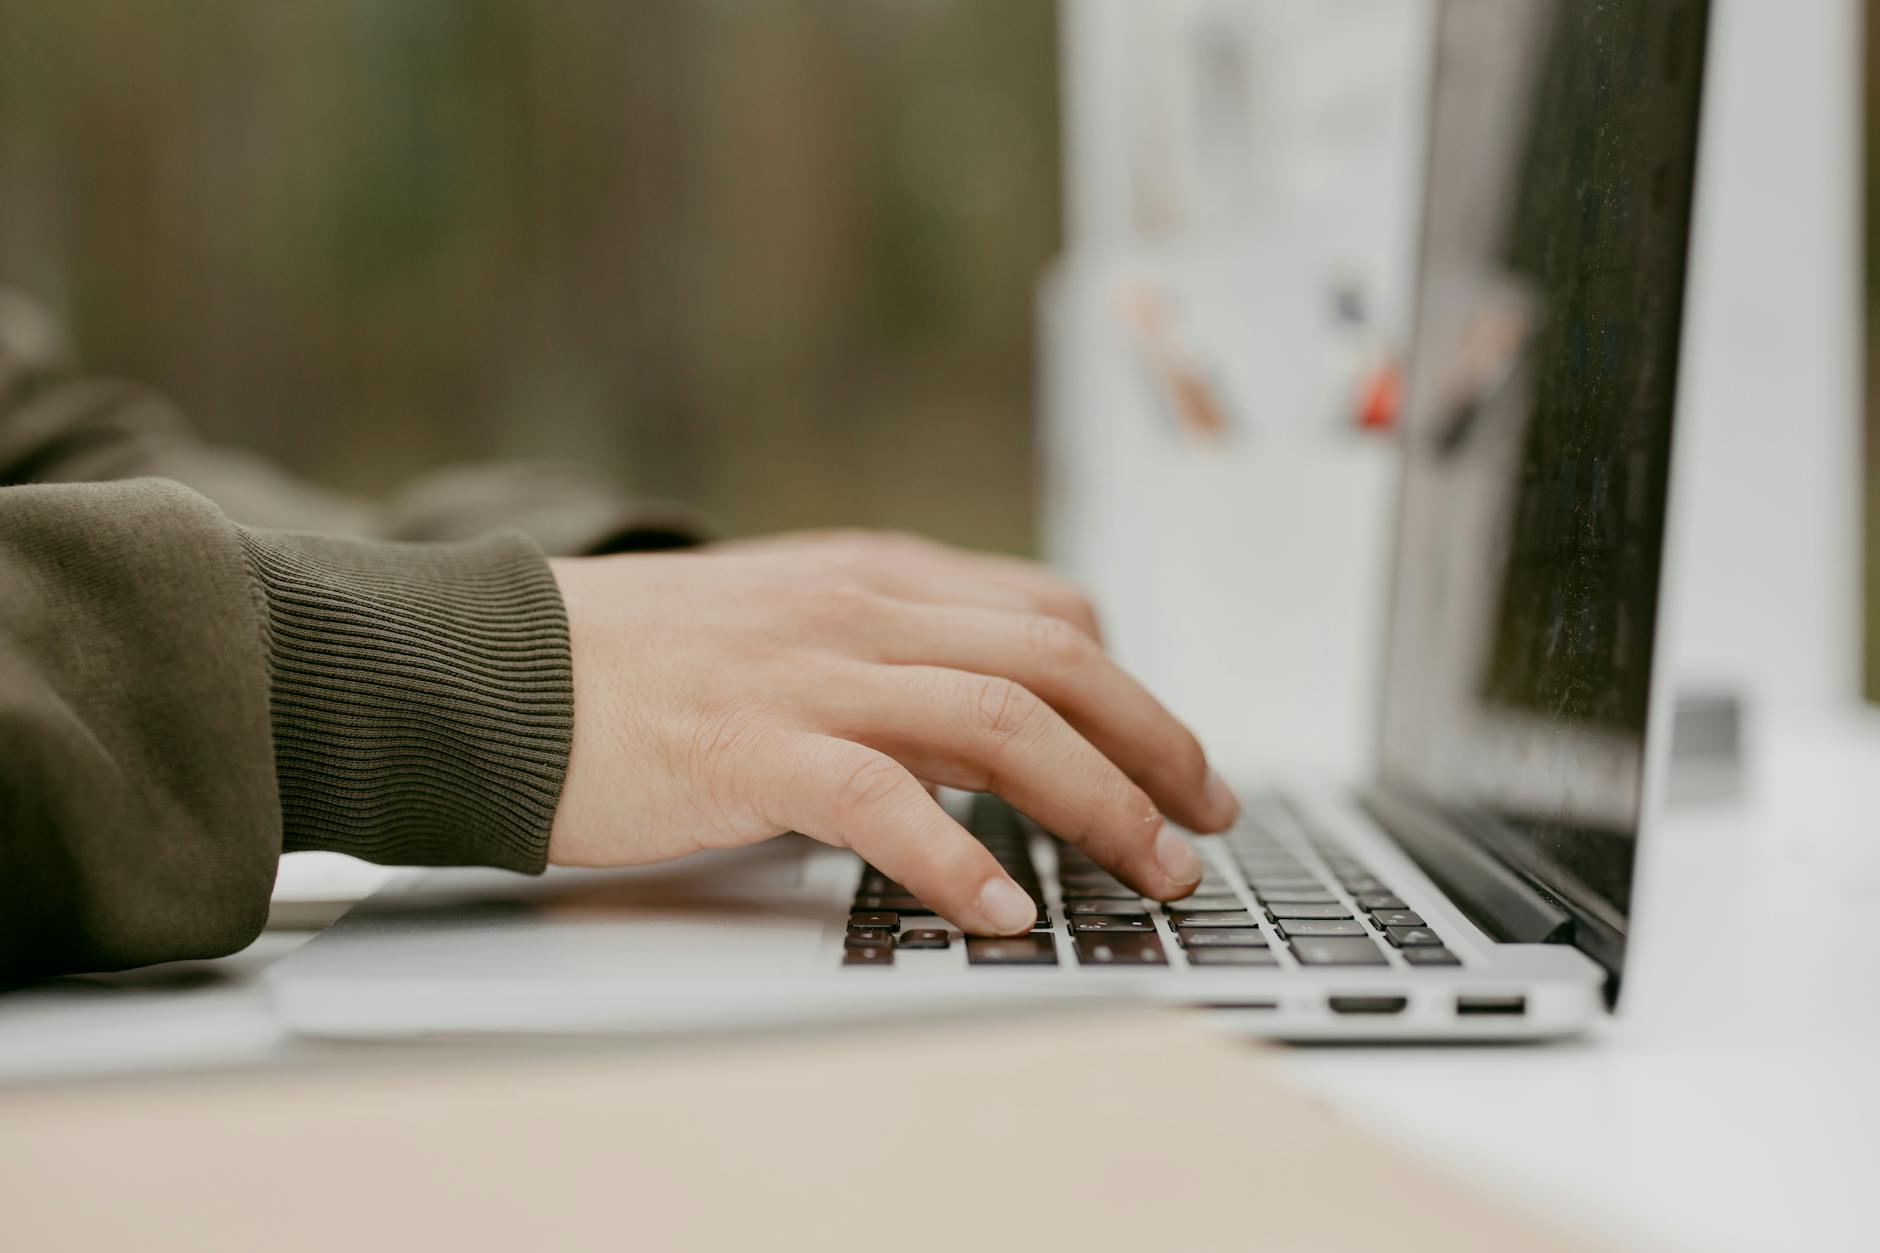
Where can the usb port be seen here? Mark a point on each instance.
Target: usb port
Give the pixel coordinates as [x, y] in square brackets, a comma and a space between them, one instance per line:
[1484, 1006]
[1368, 1004]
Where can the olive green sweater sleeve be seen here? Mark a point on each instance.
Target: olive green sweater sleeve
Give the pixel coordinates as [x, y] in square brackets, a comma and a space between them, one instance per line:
[182, 698]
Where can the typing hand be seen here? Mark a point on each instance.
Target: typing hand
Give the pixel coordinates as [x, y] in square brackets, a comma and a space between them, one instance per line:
[814, 683]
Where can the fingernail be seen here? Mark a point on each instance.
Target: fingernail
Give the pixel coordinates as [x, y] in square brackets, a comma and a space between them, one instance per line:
[1221, 799]
[1005, 909]
[1177, 860]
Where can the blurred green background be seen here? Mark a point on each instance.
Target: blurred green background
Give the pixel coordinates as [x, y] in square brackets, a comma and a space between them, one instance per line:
[776, 259]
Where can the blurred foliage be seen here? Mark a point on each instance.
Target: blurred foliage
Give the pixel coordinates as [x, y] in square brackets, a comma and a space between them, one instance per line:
[776, 258]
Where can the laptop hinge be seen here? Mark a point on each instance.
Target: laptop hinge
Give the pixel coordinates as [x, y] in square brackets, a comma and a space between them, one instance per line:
[1494, 897]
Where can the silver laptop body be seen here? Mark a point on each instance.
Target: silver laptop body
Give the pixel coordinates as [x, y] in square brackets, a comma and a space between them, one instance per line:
[1479, 885]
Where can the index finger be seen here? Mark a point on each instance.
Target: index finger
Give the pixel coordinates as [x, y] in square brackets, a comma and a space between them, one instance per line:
[853, 796]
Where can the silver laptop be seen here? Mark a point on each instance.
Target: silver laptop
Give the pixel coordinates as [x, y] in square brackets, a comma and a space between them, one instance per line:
[1479, 885]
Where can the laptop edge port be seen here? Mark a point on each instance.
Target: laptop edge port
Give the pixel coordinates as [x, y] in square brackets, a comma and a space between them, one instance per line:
[1368, 1004]
[1489, 1006]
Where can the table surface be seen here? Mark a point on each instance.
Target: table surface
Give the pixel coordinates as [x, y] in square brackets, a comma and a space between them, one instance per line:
[1733, 1103]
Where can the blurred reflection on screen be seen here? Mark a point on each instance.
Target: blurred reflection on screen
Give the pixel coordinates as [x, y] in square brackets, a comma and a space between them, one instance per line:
[1539, 428]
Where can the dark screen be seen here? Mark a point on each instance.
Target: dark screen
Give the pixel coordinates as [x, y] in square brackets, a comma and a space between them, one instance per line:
[1538, 432]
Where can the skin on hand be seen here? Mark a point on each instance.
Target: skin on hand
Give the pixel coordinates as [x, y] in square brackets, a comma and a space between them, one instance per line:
[822, 683]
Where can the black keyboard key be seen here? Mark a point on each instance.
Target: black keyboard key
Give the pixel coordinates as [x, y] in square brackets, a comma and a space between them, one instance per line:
[1121, 950]
[1277, 910]
[1266, 885]
[870, 919]
[1268, 863]
[1337, 951]
[875, 938]
[867, 957]
[1360, 885]
[1412, 937]
[901, 904]
[1182, 920]
[1042, 922]
[1231, 957]
[926, 937]
[1396, 918]
[1290, 927]
[1206, 905]
[1011, 950]
[1110, 909]
[1380, 900]
[1266, 854]
[1139, 923]
[1117, 893]
[1430, 955]
[1226, 938]
[1298, 896]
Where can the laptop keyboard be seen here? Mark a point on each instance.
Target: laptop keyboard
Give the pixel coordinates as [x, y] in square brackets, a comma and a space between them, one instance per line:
[1306, 901]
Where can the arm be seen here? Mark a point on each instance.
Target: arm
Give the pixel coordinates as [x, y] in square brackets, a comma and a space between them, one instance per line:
[181, 699]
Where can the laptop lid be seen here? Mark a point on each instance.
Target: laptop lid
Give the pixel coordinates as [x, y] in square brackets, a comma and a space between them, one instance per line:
[1537, 437]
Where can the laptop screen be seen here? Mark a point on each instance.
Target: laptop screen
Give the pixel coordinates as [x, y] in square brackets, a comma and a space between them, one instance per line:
[1537, 429]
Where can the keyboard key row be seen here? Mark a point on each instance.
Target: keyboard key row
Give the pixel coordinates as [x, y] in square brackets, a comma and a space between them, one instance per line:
[1232, 957]
[1221, 939]
[1111, 924]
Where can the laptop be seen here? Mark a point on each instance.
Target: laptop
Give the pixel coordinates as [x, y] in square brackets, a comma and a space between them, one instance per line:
[1479, 884]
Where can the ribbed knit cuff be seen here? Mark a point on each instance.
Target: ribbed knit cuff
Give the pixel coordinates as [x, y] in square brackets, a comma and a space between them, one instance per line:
[421, 697]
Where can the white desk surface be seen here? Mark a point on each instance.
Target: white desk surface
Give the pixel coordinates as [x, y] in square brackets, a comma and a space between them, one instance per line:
[1733, 1105]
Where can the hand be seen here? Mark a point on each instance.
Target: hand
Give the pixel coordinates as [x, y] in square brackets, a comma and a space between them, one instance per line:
[814, 683]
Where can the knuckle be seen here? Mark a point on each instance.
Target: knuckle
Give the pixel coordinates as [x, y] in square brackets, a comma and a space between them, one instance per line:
[1002, 708]
[823, 610]
[725, 736]
[1136, 802]
[1068, 601]
[717, 756]
[844, 602]
[1057, 643]
[868, 781]
[1078, 607]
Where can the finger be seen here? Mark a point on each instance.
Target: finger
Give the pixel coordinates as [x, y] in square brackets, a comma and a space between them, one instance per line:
[1029, 585]
[1071, 673]
[855, 797]
[911, 567]
[928, 586]
[1052, 593]
[990, 734]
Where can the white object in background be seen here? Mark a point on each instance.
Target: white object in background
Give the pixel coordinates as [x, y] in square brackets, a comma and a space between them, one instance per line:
[1240, 577]
[1766, 573]
[1191, 117]
[1258, 164]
